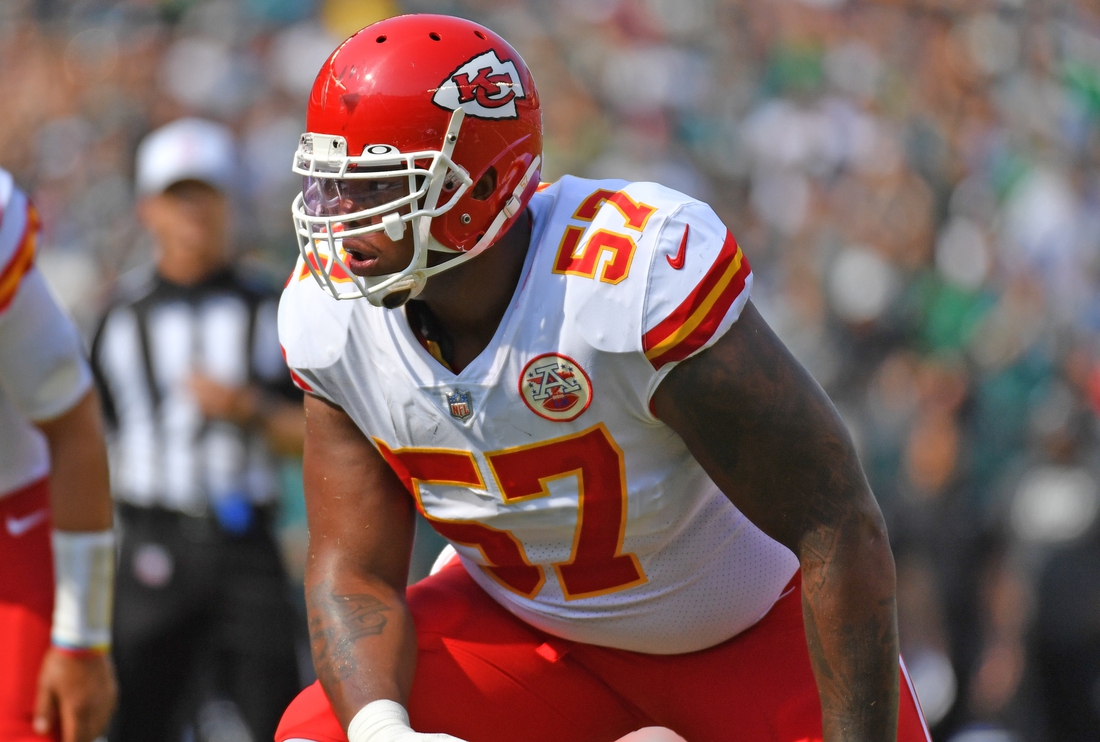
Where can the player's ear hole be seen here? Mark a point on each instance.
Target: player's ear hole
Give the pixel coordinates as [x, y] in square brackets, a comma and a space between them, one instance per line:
[485, 185]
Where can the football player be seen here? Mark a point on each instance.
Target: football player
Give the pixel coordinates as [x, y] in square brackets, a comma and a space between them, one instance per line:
[56, 680]
[658, 516]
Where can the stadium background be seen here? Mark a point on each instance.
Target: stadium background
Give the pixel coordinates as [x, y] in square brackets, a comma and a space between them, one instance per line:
[914, 182]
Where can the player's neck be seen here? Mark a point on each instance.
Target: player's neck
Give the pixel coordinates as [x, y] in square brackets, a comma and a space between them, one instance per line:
[470, 300]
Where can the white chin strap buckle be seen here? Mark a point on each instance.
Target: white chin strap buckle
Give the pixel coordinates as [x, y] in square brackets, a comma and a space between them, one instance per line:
[394, 226]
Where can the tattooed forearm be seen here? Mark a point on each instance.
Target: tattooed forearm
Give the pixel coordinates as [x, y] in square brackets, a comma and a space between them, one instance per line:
[336, 623]
[819, 541]
[361, 614]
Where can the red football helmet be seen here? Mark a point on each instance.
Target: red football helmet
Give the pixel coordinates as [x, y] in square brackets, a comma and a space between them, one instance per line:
[403, 119]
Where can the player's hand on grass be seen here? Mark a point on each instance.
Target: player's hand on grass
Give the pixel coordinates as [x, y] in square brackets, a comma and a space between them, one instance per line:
[77, 692]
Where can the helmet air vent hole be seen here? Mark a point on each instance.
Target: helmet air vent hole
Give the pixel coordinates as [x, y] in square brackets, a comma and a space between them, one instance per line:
[433, 36]
[466, 219]
[380, 39]
[485, 185]
[479, 34]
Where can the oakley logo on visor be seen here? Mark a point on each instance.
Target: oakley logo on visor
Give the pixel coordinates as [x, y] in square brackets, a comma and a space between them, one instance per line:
[484, 87]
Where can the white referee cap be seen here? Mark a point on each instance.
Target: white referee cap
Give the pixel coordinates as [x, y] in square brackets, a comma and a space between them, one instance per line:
[186, 149]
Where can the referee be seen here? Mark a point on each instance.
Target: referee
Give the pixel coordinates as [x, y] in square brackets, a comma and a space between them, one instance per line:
[198, 400]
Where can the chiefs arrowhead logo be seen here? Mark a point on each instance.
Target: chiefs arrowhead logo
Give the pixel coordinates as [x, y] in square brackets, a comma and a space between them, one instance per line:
[484, 86]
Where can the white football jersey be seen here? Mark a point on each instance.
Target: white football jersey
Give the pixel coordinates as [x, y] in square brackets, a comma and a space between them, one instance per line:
[42, 368]
[542, 462]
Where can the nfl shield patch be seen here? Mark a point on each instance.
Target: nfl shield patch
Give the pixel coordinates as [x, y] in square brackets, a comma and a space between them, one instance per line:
[459, 403]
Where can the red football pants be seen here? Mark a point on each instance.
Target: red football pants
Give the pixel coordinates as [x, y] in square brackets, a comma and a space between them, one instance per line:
[26, 606]
[484, 675]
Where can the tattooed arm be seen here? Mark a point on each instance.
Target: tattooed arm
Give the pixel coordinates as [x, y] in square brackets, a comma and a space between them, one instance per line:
[360, 541]
[768, 436]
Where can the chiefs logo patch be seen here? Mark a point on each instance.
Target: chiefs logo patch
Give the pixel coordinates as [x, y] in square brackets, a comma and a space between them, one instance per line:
[555, 387]
[485, 87]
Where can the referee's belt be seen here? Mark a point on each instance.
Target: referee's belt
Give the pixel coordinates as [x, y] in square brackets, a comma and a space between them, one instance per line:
[209, 523]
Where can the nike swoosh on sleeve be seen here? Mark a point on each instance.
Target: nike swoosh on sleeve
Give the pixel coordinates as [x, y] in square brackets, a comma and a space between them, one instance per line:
[678, 262]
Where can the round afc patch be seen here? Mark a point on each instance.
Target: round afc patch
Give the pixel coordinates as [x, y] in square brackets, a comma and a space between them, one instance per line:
[555, 387]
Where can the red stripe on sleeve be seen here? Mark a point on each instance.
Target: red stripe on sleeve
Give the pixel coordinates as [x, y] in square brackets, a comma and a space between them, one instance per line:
[12, 274]
[699, 337]
[298, 380]
[699, 294]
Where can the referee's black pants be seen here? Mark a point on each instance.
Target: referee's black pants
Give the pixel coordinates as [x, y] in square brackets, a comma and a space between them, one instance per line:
[199, 614]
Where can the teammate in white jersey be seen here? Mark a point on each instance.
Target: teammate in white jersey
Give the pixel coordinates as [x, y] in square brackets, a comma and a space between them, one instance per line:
[56, 681]
[658, 516]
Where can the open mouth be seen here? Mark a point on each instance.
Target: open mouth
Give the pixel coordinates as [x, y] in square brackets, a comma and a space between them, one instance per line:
[361, 257]
[360, 262]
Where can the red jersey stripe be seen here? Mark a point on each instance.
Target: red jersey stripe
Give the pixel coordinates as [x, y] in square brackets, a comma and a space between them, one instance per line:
[12, 274]
[298, 380]
[715, 293]
[711, 318]
[695, 299]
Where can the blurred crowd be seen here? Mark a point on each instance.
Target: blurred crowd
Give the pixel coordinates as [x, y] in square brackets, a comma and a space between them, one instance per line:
[914, 181]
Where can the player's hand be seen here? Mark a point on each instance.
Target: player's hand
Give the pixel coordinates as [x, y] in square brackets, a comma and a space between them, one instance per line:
[77, 692]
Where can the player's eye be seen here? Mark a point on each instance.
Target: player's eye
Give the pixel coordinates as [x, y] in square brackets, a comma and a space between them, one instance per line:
[335, 196]
[373, 192]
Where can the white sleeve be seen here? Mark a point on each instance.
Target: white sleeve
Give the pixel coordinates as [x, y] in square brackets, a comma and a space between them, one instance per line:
[313, 330]
[697, 285]
[42, 364]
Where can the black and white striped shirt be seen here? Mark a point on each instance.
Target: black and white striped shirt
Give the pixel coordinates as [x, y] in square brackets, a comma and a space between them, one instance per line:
[163, 451]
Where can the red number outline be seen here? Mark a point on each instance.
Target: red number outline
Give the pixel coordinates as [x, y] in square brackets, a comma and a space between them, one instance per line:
[635, 213]
[585, 263]
[507, 562]
[590, 570]
[596, 563]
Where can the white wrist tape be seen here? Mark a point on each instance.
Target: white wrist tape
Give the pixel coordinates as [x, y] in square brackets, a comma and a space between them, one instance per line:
[84, 571]
[387, 721]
